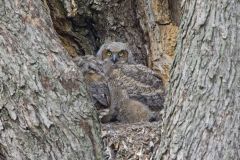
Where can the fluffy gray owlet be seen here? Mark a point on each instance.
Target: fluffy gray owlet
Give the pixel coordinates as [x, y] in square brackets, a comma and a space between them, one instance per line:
[140, 82]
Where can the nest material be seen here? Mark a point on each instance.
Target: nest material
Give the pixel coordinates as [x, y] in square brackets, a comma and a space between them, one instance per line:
[135, 141]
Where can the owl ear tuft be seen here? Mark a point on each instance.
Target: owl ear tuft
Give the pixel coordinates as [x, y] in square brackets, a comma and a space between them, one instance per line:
[99, 54]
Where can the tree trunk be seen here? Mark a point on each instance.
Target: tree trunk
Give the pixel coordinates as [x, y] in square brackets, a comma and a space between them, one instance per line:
[202, 111]
[160, 32]
[45, 112]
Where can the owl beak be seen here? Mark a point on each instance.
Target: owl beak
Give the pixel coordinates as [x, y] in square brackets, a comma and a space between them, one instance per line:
[114, 58]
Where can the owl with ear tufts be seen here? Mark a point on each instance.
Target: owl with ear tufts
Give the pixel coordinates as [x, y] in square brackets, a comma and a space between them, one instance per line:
[131, 90]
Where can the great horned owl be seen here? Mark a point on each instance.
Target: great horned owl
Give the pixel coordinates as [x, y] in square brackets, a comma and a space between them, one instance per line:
[95, 79]
[115, 65]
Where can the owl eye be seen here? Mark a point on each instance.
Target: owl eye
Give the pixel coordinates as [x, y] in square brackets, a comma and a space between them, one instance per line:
[121, 53]
[108, 53]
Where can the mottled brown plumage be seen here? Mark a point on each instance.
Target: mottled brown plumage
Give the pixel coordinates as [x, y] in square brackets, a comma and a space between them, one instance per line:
[140, 83]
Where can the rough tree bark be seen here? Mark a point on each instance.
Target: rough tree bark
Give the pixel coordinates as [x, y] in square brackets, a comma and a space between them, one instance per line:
[202, 111]
[45, 112]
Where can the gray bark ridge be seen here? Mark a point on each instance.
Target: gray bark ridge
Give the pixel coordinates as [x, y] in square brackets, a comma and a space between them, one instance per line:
[45, 111]
[203, 103]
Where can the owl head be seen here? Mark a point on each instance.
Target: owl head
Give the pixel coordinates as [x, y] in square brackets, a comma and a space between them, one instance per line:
[116, 53]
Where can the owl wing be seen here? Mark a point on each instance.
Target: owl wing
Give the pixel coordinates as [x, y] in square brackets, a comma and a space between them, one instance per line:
[141, 84]
[100, 94]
